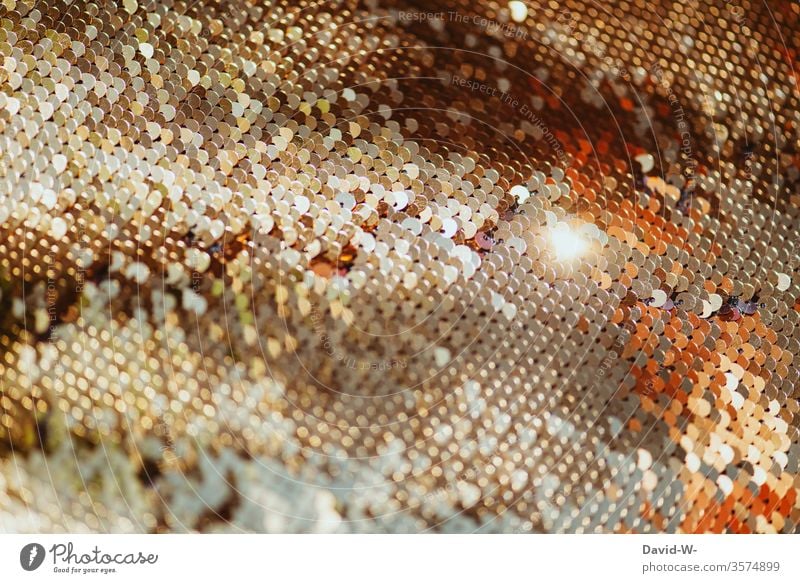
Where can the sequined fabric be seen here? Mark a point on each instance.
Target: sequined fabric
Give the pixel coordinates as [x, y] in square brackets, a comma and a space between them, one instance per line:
[399, 267]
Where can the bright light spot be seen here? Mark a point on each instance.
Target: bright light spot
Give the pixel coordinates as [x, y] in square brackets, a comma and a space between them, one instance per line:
[519, 12]
[567, 244]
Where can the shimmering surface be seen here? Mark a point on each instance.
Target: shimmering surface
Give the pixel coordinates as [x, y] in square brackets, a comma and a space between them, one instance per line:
[292, 267]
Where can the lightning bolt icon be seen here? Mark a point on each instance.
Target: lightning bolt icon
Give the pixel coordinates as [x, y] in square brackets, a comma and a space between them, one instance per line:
[34, 552]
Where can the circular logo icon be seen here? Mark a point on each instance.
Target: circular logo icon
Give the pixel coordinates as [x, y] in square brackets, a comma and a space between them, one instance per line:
[31, 556]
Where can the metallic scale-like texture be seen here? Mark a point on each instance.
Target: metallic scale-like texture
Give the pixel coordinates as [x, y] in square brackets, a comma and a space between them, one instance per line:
[379, 266]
